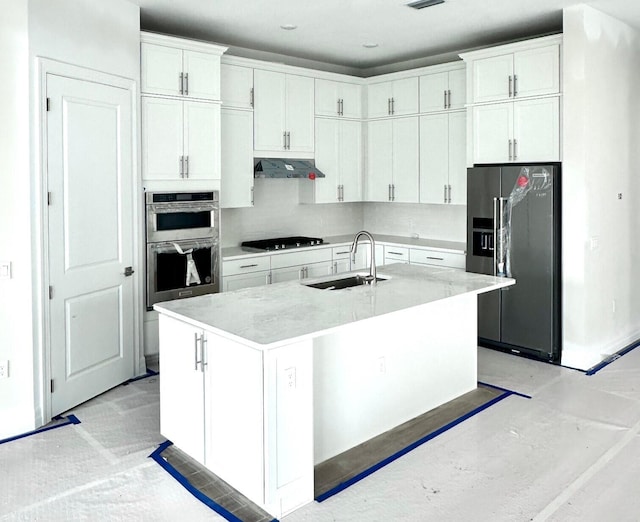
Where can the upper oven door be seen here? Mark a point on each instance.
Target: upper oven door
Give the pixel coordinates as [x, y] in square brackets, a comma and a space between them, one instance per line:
[178, 221]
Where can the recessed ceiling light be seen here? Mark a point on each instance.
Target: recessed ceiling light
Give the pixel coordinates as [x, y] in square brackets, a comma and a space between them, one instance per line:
[421, 4]
[288, 27]
[369, 45]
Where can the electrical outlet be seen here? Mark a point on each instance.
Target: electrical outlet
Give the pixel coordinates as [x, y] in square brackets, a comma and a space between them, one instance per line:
[4, 369]
[291, 377]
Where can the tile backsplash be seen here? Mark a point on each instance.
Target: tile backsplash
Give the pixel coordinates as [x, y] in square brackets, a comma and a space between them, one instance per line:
[277, 213]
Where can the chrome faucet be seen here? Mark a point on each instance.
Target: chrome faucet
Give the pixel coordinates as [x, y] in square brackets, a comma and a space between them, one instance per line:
[371, 278]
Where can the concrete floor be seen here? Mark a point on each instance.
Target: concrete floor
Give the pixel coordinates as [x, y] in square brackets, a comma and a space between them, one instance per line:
[571, 452]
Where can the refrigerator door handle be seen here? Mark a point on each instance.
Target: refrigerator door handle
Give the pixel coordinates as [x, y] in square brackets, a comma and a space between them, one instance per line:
[495, 234]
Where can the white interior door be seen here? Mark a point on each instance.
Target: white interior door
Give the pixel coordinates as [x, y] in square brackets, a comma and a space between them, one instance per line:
[90, 238]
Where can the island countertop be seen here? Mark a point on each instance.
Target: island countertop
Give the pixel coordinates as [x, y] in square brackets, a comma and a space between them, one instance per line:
[269, 316]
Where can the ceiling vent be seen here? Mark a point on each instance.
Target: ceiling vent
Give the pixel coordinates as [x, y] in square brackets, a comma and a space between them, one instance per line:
[421, 4]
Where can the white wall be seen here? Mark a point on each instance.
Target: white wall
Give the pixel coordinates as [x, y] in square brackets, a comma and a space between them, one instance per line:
[16, 340]
[601, 156]
[98, 35]
[446, 222]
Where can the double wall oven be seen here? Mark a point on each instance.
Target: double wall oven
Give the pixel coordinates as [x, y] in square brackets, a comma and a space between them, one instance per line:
[182, 245]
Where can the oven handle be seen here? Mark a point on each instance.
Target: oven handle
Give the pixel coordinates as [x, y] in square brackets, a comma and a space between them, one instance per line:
[170, 209]
[168, 247]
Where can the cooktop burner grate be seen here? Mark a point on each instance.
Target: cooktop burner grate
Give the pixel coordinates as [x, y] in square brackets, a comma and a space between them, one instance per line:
[280, 243]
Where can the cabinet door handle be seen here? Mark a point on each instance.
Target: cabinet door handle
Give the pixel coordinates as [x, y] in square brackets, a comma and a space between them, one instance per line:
[196, 341]
[393, 192]
[269, 278]
[251, 99]
[445, 193]
[449, 193]
[393, 105]
[182, 166]
[288, 141]
[335, 267]
[284, 139]
[249, 266]
[338, 111]
[515, 149]
[186, 166]
[445, 99]
[510, 88]
[389, 192]
[341, 107]
[449, 93]
[510, 149]
[251, 196]
[186, 81]
[515, 85]
[181, 84]
[389, 106]
[203, 356]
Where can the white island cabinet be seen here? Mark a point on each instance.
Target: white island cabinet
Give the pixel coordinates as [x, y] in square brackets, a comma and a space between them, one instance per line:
[280, 378]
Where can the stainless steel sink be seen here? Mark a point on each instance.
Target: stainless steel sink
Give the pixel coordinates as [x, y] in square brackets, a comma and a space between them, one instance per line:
[344, 282]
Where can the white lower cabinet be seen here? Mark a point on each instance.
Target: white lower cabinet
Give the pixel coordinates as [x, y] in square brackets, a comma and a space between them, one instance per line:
[238, 281]
[395, 254]
[261, 440]
[246, 272]
[423, 256]
[182, 388]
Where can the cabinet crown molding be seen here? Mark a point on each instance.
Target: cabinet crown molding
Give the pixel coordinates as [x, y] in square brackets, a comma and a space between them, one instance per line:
[182, 43]
[532, 43]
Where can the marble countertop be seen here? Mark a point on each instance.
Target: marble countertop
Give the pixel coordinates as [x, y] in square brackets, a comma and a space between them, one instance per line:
[269, 316]
[435, 244]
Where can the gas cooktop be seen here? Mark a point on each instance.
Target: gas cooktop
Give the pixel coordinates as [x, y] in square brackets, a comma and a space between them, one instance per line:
[281, 243]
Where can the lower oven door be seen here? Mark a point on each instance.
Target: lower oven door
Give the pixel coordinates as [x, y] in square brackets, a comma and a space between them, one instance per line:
[177, 269]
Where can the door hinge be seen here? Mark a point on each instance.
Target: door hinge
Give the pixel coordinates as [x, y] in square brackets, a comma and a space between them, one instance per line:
[50, 292]
[51, 383]
[48, 104]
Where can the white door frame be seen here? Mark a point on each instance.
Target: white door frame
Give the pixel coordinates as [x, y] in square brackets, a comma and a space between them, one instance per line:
[41, 281]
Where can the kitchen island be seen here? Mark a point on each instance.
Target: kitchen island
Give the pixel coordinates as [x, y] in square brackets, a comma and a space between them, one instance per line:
[262, 384]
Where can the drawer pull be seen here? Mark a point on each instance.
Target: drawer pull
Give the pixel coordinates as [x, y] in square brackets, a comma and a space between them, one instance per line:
[436, 258]
[342, 253]
[248, 266]
[396, 253]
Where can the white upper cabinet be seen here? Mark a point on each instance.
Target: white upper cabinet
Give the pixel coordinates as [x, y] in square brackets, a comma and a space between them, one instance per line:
[236, 86]
[515, 71]
[179, 67]
[237, 159]
[441, 91]
[393, 160]
[339, 156]
[179, 139]
[443, 172]
[393, 98]
[520, 132]
[338, 99]
[283, 112]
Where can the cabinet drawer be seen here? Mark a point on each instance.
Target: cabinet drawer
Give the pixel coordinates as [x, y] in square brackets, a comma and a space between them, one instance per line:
[302, 257]
[245, 266]
[395, 253]
[436, 257]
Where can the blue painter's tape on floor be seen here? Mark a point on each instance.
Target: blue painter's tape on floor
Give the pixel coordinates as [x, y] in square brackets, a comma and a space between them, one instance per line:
[344, 485]
[504, 390]
[150, 373]
[157, 456]
[614, 357]
[69, 419]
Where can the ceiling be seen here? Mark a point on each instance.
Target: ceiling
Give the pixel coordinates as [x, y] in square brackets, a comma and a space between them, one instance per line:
[334, 31]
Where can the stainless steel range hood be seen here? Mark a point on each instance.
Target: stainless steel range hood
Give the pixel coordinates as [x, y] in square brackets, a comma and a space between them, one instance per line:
[286, 168]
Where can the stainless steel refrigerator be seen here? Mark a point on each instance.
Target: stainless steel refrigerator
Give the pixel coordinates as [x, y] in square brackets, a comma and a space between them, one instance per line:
[513, 229]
